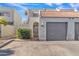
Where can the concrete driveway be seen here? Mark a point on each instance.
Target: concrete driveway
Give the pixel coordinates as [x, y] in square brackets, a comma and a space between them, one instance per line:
[42, 48]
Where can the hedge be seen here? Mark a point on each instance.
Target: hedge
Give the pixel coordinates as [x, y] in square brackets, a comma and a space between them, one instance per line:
[23, 33]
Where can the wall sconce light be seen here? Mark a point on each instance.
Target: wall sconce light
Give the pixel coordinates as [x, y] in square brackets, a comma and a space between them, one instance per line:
[42, 24]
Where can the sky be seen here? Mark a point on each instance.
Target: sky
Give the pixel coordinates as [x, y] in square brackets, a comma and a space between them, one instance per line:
[21, 7]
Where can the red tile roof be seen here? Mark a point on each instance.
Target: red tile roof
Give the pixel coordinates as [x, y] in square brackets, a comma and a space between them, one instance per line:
[54, 13]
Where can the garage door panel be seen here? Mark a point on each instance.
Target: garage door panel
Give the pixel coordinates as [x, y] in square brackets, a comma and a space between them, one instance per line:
[76, 31]
[56, 31]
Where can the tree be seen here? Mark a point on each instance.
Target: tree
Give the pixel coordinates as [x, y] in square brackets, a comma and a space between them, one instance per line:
[3, 21]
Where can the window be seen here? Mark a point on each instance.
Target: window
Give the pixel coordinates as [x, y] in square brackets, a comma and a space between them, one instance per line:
[7, 14]
[10, 23]
[71, 18]
[1, 14]
[35, 14]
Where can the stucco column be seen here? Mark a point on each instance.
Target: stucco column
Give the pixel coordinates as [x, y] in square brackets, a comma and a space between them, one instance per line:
[42, 31]
[71, 31]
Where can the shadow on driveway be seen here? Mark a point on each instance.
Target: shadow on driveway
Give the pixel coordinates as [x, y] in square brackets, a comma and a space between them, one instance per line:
[6, 52]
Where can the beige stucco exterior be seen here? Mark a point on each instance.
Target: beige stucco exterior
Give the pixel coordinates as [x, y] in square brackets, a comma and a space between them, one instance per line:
[31, 19]
[10, 30]
[17, 19]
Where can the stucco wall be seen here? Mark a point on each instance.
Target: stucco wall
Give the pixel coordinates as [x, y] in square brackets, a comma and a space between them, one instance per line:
[17, 19]
[70, 27]
[7, 31]
[31, 21]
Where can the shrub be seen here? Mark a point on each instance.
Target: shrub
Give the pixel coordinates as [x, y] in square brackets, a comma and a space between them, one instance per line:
[23, 33]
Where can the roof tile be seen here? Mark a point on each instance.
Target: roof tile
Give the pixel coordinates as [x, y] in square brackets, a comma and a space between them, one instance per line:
[54, 13]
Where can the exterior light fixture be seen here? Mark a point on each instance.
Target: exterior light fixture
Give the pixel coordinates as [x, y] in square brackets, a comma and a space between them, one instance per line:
[42, 24]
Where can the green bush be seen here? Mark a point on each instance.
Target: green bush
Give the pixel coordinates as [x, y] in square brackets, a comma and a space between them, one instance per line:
[23, 33]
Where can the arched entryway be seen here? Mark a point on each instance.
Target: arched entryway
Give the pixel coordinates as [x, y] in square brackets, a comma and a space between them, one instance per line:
[35, 30]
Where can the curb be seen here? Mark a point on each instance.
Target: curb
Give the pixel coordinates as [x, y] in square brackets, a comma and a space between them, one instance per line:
[6, 43]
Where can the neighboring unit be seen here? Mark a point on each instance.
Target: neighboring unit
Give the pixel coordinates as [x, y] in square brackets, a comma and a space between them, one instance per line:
[13, 19]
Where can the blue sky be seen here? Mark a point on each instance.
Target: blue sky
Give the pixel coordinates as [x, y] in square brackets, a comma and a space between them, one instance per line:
[21, 7]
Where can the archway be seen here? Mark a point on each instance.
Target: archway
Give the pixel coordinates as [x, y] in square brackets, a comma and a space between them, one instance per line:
[35, 30]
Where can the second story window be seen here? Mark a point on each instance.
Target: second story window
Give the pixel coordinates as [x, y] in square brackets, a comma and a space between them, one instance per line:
[1, 14]
[35, 14]
[10, 23]
[7, 14]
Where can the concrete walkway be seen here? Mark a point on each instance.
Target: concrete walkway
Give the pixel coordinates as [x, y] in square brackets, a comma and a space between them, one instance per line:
[43, 48]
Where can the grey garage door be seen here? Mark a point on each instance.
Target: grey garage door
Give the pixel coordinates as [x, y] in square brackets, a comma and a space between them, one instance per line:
[76, 31]
[56, 31]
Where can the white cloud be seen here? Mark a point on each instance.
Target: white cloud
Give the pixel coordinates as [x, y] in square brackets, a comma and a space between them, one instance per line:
[49, 4]
[63, 7]
[74, 5]
[29, 3]
[58, 3]
[60, 7]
